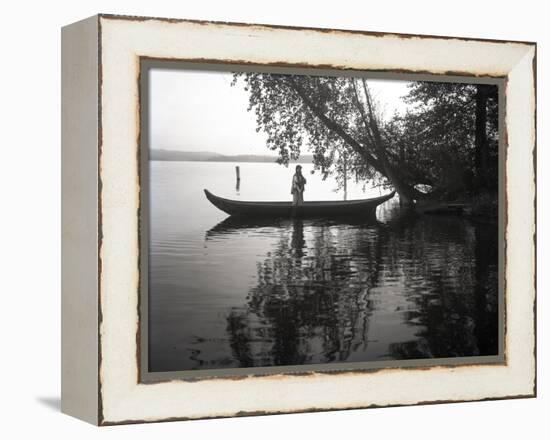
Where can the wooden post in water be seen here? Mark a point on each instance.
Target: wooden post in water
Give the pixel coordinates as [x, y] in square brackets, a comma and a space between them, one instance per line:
[345, 176]
[238, 175]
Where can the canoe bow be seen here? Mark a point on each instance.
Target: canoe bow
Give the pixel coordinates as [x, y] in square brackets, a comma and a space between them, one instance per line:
[330, 208]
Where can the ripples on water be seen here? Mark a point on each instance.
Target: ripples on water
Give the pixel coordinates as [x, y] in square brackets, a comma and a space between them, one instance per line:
[291, 292]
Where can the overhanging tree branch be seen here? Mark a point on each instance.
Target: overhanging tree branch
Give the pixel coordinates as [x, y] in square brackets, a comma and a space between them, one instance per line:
[334, 126]
[362, 113]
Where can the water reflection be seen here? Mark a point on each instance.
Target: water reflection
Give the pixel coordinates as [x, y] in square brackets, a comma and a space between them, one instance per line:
[404, 288]
[310, 304]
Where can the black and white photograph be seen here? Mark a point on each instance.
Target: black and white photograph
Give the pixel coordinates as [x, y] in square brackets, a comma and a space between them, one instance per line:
[311, 218]
[232, 220]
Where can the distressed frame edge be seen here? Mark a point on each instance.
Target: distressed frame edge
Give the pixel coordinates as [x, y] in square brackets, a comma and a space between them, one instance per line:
[535, 201]
[142, 18]
[102, 421]
[533, 246]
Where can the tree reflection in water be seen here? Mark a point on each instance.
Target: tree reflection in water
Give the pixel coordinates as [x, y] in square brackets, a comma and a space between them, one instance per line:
[318, 293]
[452, 286]
[310, 303]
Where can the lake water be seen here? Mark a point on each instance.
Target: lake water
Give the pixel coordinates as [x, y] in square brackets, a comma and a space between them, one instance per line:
[225, 293]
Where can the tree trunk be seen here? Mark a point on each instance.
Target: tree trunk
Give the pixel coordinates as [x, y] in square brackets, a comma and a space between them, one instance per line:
[481, 147]
[406, 193]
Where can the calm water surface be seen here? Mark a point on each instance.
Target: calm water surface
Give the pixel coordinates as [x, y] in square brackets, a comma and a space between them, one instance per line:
[226, 293]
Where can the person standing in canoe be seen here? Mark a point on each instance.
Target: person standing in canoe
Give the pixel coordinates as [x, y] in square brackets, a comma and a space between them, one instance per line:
[298, 186]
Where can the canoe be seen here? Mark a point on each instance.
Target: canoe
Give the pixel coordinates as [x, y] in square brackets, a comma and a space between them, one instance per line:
[364, 207]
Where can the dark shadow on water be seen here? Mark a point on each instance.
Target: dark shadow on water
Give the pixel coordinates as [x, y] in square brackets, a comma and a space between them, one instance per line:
[51, 403]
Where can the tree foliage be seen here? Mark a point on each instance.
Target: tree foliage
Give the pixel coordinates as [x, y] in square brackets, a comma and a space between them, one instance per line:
[337, 119]
[440, 135]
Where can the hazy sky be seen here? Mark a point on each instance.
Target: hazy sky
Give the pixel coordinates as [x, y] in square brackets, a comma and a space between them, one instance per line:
[199, 111]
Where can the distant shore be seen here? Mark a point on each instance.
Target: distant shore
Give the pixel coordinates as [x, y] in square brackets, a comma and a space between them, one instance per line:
[207, 156]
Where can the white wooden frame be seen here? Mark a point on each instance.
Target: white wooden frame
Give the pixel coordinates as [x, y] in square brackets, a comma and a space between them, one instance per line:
[100, 135]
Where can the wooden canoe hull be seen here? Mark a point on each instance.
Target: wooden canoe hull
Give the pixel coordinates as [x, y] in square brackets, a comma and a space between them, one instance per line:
[365, 207]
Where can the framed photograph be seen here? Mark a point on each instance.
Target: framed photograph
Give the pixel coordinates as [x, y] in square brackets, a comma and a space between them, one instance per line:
[262, 219]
